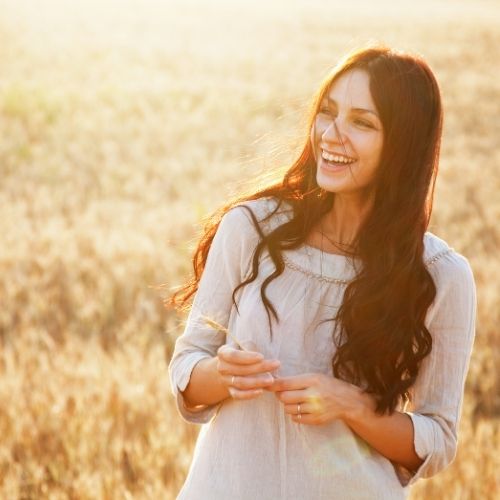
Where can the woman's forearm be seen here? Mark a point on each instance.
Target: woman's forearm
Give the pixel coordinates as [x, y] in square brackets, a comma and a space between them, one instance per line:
[390, 435]
[205, 386]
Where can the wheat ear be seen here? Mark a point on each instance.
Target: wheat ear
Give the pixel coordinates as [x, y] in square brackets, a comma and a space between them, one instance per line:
[216, 326]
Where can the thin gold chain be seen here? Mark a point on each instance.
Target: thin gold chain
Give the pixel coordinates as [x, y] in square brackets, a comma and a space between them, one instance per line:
[335, 243]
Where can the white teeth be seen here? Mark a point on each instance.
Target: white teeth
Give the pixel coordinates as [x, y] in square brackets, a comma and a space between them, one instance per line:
[336, 158]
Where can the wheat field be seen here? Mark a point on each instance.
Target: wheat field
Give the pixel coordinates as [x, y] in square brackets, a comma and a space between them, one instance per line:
[122, 124]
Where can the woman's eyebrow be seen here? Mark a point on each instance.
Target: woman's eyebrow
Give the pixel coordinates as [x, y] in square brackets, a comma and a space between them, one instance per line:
[361, 110]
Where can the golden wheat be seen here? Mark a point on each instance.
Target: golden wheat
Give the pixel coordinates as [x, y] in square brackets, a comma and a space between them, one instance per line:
[122, 123]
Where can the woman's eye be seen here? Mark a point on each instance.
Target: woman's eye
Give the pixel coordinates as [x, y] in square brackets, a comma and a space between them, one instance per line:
[325, 111]
[363, 123]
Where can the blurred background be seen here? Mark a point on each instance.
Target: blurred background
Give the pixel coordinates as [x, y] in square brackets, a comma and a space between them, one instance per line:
[123, 124]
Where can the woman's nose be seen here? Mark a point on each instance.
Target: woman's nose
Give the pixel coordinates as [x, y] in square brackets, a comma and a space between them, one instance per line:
[334, 133]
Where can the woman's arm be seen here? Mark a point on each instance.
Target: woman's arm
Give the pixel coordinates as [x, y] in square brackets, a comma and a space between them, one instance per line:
[205, 385]
[192, 366]
[428, 443]
[199, 370]
[391, 435]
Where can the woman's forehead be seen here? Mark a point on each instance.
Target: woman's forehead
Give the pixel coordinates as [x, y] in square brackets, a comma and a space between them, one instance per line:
[351, 89]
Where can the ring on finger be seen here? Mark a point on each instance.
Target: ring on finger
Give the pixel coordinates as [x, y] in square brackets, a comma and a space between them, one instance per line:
[232, 380]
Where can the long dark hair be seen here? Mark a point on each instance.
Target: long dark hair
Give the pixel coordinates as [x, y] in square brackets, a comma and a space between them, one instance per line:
[383, 337]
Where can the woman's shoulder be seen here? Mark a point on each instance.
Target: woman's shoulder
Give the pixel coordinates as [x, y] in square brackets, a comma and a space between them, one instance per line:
[269, 211]
[455, 285]
[444, 262]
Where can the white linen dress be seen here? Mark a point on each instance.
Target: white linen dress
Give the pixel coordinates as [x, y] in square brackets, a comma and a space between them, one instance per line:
[248, 450]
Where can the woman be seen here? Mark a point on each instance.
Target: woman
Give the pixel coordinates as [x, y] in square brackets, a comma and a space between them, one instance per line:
[356, 323]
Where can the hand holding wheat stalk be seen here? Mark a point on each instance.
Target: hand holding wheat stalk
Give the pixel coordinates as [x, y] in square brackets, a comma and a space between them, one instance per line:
[216, 326]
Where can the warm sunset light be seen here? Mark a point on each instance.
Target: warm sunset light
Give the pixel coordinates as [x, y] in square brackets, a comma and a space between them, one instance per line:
[123, 125]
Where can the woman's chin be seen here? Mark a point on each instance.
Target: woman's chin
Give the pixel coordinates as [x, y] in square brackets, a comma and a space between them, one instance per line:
[333, 185]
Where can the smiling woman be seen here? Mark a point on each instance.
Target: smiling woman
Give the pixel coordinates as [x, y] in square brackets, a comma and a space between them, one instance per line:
[356, 390]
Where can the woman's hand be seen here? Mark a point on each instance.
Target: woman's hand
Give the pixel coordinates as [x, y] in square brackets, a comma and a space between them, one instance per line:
[250, 370]
[322, 398]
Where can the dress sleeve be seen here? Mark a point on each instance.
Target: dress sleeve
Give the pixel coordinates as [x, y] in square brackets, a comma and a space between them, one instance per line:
[438, 391]
[227, 263]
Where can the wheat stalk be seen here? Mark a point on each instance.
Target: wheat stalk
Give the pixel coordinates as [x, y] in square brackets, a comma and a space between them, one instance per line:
[216, 326]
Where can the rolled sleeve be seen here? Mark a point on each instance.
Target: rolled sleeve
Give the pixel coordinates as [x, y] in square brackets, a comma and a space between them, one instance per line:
[437, 395]
[199, 414]
[227, 263]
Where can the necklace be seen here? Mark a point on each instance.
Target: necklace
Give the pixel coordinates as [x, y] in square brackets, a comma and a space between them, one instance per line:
[333, 242]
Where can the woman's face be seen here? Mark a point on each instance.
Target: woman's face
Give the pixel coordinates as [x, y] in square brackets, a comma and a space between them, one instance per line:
[347, 126]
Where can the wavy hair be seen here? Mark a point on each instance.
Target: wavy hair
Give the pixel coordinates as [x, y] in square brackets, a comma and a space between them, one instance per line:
[382, 337]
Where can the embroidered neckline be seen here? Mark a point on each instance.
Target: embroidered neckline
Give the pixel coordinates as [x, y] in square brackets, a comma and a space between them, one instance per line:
[338, 281]
[430, 261]
[326, 279]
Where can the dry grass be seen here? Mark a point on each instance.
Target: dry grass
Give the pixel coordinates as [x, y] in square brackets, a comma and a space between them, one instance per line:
[121, 124]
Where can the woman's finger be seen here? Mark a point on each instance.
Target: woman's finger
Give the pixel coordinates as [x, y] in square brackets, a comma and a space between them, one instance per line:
[240, 394]
[305, 408]
[226, 368]
[237, 356]
[291, 396]
[248, 383]
[307, 419]
[312, 401]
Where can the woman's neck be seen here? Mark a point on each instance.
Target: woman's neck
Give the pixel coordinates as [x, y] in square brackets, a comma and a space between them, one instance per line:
[342, 222]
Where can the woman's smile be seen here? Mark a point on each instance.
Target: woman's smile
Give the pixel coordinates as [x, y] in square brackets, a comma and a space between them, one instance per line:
[333, 162]
[333, 166]
[337, 158]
